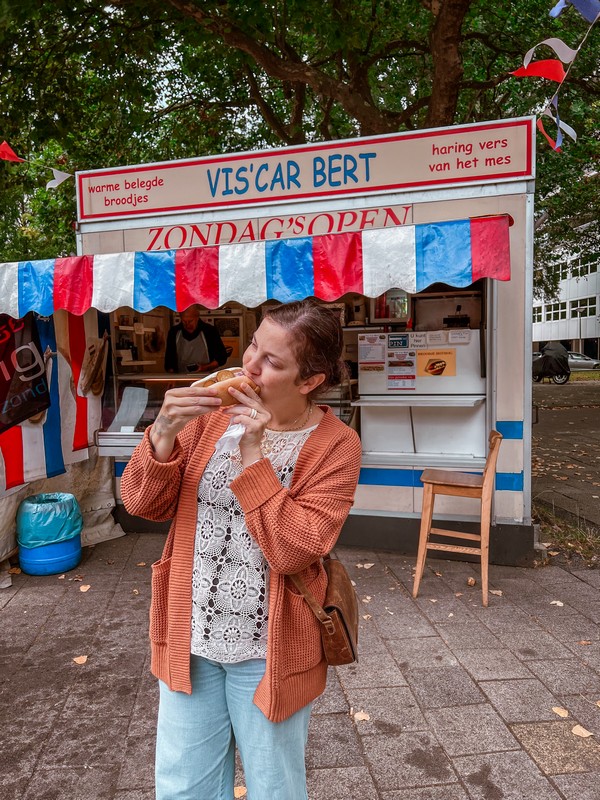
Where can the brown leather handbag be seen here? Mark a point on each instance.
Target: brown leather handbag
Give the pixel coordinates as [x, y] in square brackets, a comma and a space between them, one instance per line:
[339, 614]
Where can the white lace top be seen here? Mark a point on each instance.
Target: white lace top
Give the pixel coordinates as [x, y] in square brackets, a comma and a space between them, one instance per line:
[230, 574]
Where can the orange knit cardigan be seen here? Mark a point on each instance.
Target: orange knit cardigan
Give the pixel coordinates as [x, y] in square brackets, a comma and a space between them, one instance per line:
[294, 527]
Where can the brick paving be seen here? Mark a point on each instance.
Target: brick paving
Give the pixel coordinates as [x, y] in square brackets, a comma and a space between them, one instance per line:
[459, 698]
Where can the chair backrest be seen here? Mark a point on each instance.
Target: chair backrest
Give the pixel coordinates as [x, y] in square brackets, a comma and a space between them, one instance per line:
[489, 471]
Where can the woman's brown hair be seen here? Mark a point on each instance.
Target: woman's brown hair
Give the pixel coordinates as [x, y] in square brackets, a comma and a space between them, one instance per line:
[317, 340]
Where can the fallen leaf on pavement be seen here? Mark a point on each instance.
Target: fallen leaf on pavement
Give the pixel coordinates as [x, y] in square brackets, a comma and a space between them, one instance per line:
[367, 616]
[368, 566]
[361, 715]
[14, 571]
[556, 603]
[80, 659]
[471, 581]
[141, 564]
[439, 574]
[135, 591]
[584, 642]
[562, 712]
[353, 583]
[458, 594]
[578, 730]
[85, 587]
[431, 600]
[367, 598]
[552, 552]
[61, 578]
[497, 592]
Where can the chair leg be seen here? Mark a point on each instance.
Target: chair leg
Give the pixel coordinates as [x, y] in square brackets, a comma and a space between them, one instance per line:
[485, 553]
[426, 517]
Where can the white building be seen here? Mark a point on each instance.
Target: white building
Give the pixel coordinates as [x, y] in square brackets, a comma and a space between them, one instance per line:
[573, 319]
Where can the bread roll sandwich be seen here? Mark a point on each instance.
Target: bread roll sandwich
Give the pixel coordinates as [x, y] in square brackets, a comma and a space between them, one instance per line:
[222, 380]
[435, 366]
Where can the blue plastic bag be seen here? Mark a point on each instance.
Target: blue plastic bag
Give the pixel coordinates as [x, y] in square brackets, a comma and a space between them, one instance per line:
[48, 518]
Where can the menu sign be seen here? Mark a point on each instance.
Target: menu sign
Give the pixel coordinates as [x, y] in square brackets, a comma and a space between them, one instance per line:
[371, 349]
[401, 363]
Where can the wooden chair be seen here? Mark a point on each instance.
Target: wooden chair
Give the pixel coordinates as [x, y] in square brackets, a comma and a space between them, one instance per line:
[459, 484]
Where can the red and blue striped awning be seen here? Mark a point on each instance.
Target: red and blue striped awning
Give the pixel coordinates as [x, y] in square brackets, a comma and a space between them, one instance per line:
[367, 262]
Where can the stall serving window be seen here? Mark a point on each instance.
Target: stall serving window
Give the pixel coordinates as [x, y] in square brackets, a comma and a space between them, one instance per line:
[134, 394]
[139, 380]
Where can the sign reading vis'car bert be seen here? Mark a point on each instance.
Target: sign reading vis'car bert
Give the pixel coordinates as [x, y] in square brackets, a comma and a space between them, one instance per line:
[477, 153]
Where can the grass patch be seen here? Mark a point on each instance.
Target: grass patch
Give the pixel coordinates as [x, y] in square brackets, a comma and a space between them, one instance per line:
[567, 538]
[585, 375]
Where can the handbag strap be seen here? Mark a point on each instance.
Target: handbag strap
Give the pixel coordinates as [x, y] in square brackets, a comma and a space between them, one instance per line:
[317, 610]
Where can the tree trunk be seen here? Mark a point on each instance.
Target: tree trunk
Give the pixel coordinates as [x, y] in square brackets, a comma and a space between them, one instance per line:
[447, 62]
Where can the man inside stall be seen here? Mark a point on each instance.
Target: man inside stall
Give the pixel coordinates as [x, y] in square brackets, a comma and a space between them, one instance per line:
[193, 345]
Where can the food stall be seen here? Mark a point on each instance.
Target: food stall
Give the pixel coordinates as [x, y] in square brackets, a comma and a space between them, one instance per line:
[423, 241]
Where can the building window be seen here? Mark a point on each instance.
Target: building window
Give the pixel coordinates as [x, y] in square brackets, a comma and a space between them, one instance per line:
[537, 313]
[584, 307]
[556, 311]
[589, 263]
[564, 271]
[577, 266]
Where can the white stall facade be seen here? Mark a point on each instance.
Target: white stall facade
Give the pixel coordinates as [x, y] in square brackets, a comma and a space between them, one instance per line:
[422, 240]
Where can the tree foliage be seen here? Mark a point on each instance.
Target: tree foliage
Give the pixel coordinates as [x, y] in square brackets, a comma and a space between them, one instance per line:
[85, 85]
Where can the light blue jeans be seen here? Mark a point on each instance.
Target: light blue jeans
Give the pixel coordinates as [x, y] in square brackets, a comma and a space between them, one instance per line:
[197, 735]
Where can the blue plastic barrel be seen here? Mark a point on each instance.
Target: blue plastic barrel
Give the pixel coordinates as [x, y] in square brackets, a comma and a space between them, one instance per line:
[50, 559]
[49, 533]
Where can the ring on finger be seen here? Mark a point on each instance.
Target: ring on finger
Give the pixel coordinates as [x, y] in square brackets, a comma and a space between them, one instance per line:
[253, 414]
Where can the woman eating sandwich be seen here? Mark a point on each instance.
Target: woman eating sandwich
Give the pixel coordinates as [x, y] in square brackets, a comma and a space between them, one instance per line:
[257, 490]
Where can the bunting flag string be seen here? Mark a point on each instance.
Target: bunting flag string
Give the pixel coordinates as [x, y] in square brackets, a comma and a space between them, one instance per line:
[565, 54]
[553, 70]
[589, 9]
[8, 154]
[59, 177]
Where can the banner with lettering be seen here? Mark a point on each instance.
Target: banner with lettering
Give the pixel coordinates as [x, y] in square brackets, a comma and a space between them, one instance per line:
[23, 385]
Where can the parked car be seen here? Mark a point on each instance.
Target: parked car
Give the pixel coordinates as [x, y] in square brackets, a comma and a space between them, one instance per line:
[578, 361]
